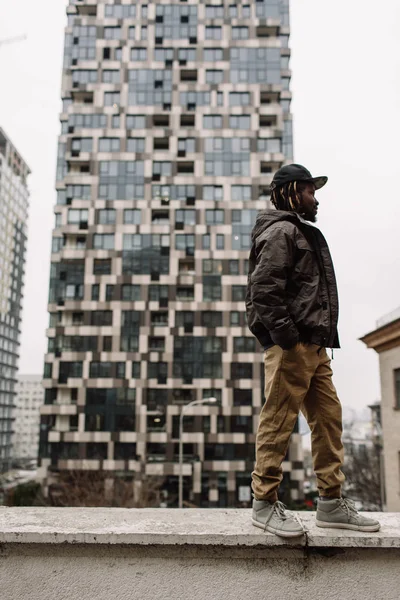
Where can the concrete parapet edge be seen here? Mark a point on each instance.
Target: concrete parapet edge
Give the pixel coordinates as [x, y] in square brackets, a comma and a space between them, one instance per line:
[176, 527]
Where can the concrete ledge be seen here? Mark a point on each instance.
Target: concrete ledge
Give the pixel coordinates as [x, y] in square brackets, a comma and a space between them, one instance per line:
[213, 554]
[215, 527]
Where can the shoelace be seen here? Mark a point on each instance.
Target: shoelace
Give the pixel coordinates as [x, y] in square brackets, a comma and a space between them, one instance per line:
[279, 509]
[348, 507]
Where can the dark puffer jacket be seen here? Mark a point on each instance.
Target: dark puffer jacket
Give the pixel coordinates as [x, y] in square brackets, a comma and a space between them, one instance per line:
[291, 290]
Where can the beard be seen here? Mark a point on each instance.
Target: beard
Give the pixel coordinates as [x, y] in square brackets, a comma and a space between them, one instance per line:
[309, 215]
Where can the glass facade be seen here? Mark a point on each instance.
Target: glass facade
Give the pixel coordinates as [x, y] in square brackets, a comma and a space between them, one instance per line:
[14, 197]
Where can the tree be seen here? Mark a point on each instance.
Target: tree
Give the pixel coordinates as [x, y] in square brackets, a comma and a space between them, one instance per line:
[98, 488]
[363, 471]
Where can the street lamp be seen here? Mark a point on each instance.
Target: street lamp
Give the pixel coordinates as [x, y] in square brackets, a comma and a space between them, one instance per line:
[183, 411]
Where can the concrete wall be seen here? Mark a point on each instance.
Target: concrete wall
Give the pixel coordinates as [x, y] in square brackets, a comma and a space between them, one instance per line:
[79, 554]
[390, 360]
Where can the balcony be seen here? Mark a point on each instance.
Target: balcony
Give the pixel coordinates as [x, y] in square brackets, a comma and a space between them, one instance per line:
[80, 553]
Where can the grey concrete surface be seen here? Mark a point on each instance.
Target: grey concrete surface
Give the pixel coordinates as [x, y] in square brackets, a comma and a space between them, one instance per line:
[227, 527]
[161, 554]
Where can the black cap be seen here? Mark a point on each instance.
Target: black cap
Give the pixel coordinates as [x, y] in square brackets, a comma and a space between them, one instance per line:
[296, 173]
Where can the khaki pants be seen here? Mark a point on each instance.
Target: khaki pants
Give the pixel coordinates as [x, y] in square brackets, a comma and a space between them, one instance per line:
[298, 379]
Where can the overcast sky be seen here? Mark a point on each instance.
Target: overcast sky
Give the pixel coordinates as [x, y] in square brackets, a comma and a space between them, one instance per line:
[346, 103]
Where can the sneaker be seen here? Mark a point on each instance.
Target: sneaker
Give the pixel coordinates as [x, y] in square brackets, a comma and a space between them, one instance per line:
[341, 513]
[274, 518]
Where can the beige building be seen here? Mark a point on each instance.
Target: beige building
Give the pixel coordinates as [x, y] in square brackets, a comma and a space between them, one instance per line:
[385, 340]
[175, 117]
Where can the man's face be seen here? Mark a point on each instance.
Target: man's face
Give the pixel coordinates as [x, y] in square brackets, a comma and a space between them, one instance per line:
[309, 203]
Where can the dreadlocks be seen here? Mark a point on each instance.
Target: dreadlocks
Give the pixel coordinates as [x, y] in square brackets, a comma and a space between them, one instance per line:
[288, 197]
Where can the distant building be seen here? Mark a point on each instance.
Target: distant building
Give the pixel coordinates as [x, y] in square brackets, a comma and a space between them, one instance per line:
[385, 340]
[29, 399]
[14, 197]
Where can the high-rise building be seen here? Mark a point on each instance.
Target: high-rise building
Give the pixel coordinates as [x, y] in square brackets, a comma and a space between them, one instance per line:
[14, 201]
[175, 117]
[29, 398]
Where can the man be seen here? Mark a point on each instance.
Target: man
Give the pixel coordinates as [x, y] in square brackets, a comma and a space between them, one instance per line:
[292, 309]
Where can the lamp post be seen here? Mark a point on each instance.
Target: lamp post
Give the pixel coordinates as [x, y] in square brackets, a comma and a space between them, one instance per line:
[183, 412]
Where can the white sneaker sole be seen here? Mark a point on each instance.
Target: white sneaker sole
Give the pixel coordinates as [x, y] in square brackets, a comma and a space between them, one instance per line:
[347, 526]
[280, 533]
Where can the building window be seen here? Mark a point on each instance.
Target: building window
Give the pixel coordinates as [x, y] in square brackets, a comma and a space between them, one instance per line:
[156, 370]
[269, 145]
[238, 293]
[95, 291]
[106, 216]
[138, 54]
[135, 370]
[132, 216]
[241, 371]
[213, 192]
[135, 145]
[112, 33]
[102, 266]
[212, 266]
[213, 54]
[211, 318]
[239, 121]
[111, 76]
[220, 241]
[48, 370]
[184, 318]
[158, 292]
[215, 217]
[162, 168]
[240, 33]
[244, 344]
[159, 319]
[135, 121]
[100, 318]
[239, 98]
[241, 193]
[103, 241]
[213, 33]
[242, 397]
[130, 292]
[186, 145]
[215, 11]
[227, 156]
[212, 288]
[82, 144]
[186, 216]
[109, 144]
[82, 77]
[163, 54]
[115, 121]
[156, 344]
[184, 241]
[233, 267]
[187, 54]
[212, 122]
[112, 98]
[119, 11]
[206, 241]
[397, 388]
[214, 76]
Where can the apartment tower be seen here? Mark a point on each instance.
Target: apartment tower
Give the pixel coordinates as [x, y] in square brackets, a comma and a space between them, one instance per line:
[29, 398]
[14, 201]
[175, 116]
